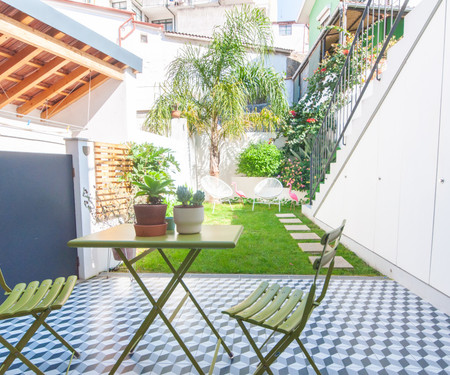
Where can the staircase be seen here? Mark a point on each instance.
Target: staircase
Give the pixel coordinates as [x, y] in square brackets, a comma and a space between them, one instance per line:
[345, 125]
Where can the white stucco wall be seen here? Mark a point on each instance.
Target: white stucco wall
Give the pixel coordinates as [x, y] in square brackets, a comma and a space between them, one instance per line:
[395, 189]
[229, 153]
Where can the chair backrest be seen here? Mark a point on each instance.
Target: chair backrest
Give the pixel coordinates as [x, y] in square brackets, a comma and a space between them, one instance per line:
[268, 188]
[330, 242]
[216, 187]
[3, 284]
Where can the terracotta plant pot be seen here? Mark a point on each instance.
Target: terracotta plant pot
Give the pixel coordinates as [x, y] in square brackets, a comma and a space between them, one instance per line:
[176, 114]
[150, 230]
[150, 214]
[188, 219]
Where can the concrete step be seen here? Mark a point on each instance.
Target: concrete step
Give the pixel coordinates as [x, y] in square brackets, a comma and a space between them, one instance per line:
[339, 262]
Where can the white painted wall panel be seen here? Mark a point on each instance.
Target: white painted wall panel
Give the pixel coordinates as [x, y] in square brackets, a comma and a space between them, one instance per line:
[440, 255]
[420, 119]
[390, 131]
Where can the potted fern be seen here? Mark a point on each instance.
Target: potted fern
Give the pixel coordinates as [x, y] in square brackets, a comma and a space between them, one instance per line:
[190, 214]
[150, 216]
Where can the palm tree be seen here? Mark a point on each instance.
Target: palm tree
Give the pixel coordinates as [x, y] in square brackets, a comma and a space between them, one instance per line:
[213, 86]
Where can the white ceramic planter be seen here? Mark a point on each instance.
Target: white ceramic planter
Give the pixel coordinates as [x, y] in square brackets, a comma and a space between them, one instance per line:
[188, 220]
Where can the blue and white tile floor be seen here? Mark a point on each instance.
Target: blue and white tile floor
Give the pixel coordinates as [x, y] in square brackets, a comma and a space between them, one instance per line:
[364, 326]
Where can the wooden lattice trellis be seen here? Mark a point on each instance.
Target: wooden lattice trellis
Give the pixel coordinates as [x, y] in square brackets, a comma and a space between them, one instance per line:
[113, 193]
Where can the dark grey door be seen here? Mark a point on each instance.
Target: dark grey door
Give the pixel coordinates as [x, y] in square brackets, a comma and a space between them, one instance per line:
[37, 216]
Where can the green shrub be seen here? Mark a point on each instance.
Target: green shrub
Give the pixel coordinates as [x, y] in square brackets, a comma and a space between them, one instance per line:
[148, 159]
[259, 160]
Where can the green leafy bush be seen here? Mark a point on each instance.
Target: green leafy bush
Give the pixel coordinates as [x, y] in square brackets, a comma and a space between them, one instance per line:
[148, 159]
[260, 160]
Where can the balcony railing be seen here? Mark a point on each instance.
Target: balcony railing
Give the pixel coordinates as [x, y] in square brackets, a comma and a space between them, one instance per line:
[376, 29]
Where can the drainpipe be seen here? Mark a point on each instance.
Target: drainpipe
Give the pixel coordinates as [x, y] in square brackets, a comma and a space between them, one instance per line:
[122, 27]
[343, 12]
[174, 27]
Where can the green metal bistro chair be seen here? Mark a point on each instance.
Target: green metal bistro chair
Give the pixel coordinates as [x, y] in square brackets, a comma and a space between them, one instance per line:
[39, 300]
[284, 310]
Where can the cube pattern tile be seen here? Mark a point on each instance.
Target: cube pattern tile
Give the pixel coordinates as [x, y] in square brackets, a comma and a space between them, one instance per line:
[363, 326]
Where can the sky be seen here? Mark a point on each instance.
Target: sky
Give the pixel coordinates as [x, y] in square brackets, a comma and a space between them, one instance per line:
[288, 9]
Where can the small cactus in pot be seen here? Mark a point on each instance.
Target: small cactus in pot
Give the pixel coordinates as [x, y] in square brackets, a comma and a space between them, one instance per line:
[189, 215]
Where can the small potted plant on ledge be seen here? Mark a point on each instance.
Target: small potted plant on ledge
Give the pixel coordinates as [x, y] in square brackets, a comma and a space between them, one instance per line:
[190, 214]
[150, 217]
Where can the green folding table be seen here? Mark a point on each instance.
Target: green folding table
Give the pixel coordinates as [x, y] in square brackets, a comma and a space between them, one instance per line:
[123, 236]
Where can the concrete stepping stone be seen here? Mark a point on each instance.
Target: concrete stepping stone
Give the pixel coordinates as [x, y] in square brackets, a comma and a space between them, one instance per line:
[339, 262]
[285, 215]
[296, 227]
[305, 236]
[311, 247]
[287, 221]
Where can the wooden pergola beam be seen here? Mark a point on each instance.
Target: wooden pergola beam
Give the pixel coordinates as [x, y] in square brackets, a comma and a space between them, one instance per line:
[59, 86]
[4, 38]
[43, 41]
[46, 71]
[15, 62]
[79, 93]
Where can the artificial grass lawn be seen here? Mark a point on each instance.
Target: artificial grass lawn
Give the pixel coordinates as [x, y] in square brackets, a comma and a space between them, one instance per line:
[265, 247]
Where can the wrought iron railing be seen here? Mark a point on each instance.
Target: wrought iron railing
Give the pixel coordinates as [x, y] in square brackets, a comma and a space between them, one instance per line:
[378, 23]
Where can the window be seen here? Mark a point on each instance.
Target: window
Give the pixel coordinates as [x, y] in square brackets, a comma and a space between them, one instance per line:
[144, 38]
[167, 23]
[138, 12]
[285, 30]
[119, 4]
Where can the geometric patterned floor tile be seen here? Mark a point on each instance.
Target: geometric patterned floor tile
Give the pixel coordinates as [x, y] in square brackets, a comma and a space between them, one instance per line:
[285, 215]
[290, 221]
[296, 227]
[339, 263]
[310, 247]
[369, 326]
[305, 236]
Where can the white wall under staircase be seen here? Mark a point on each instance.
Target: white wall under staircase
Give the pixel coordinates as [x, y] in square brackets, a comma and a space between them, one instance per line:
[392, 180]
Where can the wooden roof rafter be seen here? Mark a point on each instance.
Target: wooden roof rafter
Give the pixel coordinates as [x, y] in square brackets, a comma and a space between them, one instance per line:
[45, 68]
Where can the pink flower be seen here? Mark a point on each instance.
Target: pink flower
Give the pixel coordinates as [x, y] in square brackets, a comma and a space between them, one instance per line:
[311, 120]
[323, 70]
[293, 113]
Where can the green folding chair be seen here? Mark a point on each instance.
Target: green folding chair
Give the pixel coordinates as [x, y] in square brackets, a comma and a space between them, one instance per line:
[39, 300]
[284, 310]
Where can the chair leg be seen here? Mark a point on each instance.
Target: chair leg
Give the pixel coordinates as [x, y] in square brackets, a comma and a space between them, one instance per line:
[276, 350]
[302, 347]
[19, 355]
[264, 364]
[64, 342]
[15, 351]
[253, 207]
[214, 206]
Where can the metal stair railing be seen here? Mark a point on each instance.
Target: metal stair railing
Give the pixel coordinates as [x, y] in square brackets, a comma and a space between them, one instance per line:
[378, 23]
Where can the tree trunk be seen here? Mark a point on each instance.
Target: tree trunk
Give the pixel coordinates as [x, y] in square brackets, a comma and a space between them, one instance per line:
[214, 153]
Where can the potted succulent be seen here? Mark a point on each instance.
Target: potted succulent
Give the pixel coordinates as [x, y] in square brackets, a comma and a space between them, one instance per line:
[150, 216]
[190, 214]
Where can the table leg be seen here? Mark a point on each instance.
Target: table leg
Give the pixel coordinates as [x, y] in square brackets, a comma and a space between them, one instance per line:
[157, 308]
[197, 305]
